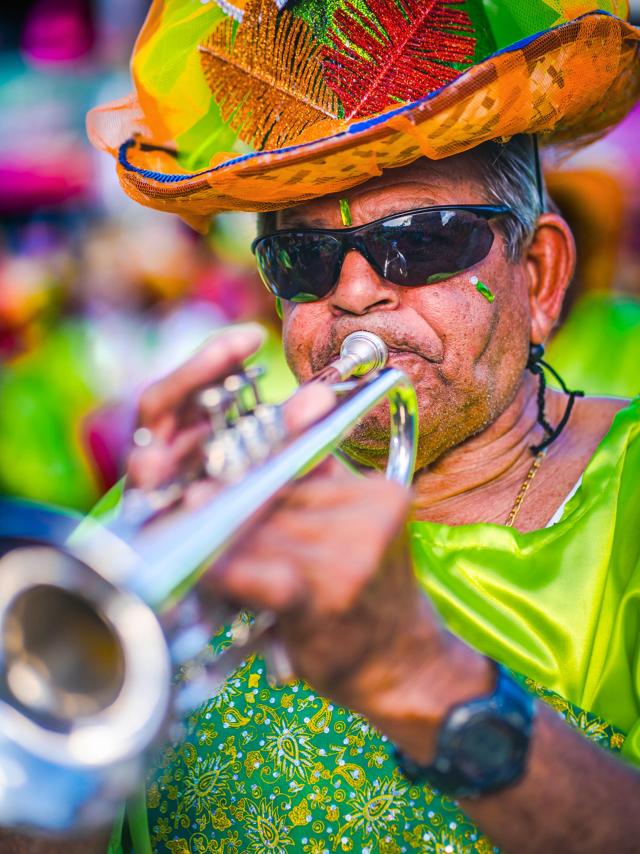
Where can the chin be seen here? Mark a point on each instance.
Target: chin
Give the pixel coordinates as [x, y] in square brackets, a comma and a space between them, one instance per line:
[442, 425]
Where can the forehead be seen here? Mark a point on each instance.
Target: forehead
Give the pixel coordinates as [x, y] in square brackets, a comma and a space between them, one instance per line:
[455, 180]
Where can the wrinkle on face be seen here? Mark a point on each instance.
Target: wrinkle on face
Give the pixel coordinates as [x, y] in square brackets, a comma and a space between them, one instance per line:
[465, 356]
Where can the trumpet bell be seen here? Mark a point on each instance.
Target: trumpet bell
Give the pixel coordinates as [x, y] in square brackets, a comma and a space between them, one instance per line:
[93, 626]
[85, 683]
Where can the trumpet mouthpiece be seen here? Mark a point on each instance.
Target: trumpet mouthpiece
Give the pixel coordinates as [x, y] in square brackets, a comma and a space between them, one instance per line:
[362, 353]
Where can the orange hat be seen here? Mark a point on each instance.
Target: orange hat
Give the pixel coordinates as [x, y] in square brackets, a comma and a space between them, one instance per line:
[250, 106]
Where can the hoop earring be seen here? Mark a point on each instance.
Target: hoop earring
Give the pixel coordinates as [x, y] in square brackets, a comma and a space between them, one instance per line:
[537, 366]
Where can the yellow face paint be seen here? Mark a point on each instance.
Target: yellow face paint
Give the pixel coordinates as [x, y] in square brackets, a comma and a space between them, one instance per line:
[345, 212]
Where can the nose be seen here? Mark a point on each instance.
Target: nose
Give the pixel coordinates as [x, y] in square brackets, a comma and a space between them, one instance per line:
[361, 290]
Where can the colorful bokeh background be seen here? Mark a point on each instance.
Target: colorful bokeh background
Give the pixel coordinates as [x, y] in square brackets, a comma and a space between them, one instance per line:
[99, 296]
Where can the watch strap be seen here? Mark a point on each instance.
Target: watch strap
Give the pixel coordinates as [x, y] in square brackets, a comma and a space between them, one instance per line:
[506, 714]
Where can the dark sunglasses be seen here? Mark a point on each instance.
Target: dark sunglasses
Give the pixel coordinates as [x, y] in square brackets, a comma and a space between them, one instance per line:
[412, 249]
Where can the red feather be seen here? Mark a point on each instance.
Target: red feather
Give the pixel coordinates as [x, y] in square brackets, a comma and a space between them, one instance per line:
[399, 54]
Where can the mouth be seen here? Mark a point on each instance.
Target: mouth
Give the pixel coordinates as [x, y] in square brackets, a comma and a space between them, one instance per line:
[396, 352]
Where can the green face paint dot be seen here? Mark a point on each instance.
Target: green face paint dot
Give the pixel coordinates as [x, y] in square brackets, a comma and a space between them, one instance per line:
[482, 289]
[345, 212]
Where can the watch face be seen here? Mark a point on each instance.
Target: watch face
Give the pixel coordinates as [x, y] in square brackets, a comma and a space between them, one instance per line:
[488, 746]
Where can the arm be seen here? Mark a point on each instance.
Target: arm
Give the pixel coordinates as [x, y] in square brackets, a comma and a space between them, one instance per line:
[573, 797]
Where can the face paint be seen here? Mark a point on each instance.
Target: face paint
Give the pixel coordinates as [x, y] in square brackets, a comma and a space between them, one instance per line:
[345, 212]
[482, 289]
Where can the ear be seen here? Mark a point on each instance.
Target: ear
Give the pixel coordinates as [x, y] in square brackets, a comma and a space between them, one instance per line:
[550, 260]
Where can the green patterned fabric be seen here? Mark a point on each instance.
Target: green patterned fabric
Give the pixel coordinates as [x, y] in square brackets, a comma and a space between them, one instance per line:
[284, 770]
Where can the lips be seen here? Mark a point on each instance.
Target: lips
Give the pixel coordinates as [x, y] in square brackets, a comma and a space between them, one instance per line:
[395, 352]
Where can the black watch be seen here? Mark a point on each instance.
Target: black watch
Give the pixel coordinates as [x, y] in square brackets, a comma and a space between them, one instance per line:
[482, 744]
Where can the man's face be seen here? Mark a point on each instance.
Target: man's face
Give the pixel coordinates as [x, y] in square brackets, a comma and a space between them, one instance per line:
[464, 355]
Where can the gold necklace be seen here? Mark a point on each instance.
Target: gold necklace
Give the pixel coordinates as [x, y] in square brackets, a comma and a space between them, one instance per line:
[535, 465]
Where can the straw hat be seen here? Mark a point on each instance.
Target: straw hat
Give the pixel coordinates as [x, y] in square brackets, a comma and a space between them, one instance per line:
[251, 106]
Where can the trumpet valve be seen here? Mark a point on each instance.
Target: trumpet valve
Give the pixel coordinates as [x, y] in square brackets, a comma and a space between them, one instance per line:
[245, 431]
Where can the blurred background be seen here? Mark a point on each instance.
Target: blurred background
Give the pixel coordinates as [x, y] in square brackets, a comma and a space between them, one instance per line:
[99, 296]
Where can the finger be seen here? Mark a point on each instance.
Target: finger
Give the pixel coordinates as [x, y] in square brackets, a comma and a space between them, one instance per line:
[330, 467]
[307, 406]
[341, 488]
[199, 492]
[259, 585]
[162, 462]
[210, 364]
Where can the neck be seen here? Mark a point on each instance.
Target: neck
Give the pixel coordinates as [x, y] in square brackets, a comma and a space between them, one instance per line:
[477, 481]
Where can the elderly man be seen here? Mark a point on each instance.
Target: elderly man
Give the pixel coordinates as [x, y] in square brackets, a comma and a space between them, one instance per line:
[333, 560]
[520, 533]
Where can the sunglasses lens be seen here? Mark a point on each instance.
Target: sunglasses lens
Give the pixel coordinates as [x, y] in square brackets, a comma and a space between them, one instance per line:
[423, 248]
[299, 267]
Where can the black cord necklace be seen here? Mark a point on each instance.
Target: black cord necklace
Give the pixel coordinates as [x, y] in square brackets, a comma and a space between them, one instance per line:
[537, 366]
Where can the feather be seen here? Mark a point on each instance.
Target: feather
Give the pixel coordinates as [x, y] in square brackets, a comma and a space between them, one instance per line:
[403, 51]
[236, 9]
[266, 75]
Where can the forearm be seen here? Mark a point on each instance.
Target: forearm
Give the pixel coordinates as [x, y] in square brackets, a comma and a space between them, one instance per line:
[573, 796]
[17, 843]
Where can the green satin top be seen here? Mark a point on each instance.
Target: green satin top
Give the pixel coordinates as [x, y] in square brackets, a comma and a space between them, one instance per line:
[281, 769]
[561, 604]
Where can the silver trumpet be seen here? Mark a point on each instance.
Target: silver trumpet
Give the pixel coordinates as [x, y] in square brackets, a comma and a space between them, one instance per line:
[97, 619]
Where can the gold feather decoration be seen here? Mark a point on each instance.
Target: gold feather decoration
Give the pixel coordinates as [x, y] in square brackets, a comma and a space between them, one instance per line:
[236, 9]
[266, 75]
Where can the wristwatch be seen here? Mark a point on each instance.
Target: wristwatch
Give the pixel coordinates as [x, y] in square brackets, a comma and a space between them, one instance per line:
[482, 744]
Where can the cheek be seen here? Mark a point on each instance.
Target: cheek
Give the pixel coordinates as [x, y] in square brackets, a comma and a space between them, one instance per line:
[464, 321]
[303, 326]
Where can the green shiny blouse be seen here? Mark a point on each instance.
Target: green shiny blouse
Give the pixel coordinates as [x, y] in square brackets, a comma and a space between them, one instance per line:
[281, 769]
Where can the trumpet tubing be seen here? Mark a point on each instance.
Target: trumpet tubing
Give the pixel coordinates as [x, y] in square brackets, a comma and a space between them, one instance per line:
[92, 626]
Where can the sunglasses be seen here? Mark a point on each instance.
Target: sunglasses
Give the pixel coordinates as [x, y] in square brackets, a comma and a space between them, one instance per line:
[411, 249]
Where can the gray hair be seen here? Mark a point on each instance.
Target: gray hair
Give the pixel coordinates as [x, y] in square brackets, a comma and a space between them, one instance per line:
[508, 174]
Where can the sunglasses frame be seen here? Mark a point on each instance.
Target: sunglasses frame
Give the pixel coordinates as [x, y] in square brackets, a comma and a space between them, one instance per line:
[350, 240]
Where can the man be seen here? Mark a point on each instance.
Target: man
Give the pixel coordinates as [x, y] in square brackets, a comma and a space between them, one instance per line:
[356, 626]
[286, 768]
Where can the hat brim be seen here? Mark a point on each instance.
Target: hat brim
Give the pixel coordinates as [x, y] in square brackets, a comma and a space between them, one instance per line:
[569, 84]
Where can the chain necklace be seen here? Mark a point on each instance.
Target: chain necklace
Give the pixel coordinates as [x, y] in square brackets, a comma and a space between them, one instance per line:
[526, 483]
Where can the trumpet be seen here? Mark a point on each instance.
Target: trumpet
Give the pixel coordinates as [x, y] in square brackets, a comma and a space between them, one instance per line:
[96, 618]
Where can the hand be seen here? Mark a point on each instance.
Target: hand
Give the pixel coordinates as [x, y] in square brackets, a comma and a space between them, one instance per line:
[179, 425]
[329, 555]
[330, 559]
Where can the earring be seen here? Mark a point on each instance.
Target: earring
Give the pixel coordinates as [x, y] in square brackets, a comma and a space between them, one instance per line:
[482, 289]
[279, 307]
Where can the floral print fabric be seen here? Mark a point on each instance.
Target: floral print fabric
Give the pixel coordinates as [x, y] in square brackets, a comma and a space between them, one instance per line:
[266, 768]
